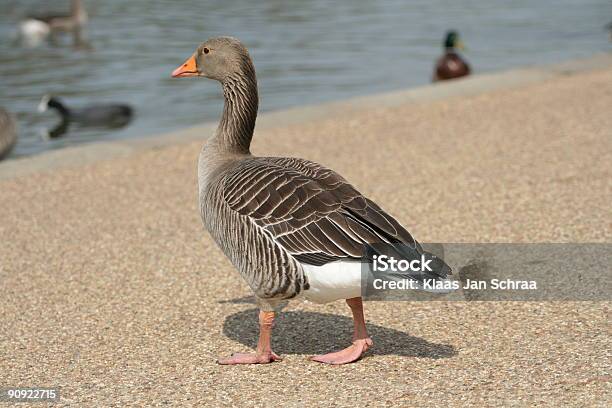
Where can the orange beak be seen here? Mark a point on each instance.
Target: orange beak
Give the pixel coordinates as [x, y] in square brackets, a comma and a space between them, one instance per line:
[188, 69]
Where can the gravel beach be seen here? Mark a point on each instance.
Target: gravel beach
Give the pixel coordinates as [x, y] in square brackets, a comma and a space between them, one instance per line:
[111, 290]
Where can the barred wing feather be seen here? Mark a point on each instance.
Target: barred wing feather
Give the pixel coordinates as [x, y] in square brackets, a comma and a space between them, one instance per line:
[310, 210]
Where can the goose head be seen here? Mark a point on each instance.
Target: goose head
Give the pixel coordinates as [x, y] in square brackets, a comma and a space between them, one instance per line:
[49, 101]
[217, 58]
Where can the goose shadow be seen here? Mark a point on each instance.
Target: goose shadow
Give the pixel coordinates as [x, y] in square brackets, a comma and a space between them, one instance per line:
[300, 332]
[242, 300]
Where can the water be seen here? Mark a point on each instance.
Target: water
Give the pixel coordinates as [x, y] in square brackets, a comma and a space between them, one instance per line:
[304, 52]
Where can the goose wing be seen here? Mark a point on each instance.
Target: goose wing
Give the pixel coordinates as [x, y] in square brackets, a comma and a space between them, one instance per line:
[310, 210]
[49, 18]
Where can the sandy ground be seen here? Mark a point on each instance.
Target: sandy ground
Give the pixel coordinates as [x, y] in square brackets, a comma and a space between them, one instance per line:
[111, 290]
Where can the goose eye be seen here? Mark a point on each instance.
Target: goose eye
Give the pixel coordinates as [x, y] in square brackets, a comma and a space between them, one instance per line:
[206, 50]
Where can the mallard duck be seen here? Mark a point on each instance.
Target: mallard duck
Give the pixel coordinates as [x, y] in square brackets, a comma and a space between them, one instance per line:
[292, 227]
[110, 115]
[8, 133]
[451, 65]
[38, 26]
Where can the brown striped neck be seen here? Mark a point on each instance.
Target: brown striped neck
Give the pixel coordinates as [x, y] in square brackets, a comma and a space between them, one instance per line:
[239, 112]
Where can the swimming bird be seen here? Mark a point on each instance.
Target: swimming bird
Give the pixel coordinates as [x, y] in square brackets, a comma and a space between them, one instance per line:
[32, 32]
[8, 133]
[36, 28]
[110, 115]
[451, 65]
[292, 227]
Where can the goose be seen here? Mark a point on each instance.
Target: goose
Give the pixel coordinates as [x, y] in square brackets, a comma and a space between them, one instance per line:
[35, 28]
[112, 115]
[292, 227]
[451, 65]
[8, 133]
[32, 32]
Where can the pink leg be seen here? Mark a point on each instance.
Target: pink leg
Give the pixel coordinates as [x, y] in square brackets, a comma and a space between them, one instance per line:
[264, 353]
[361, 340]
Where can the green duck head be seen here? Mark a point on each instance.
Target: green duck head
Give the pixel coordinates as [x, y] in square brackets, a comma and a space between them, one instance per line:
[452, 40]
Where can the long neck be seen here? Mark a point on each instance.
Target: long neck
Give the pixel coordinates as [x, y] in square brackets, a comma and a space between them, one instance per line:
[60, 129]
[76, 8]
[239, 112]
[57, 105]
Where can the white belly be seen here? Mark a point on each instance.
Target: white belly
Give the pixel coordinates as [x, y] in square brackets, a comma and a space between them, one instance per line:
[342, 280]
[333, 281]
[33, 30]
